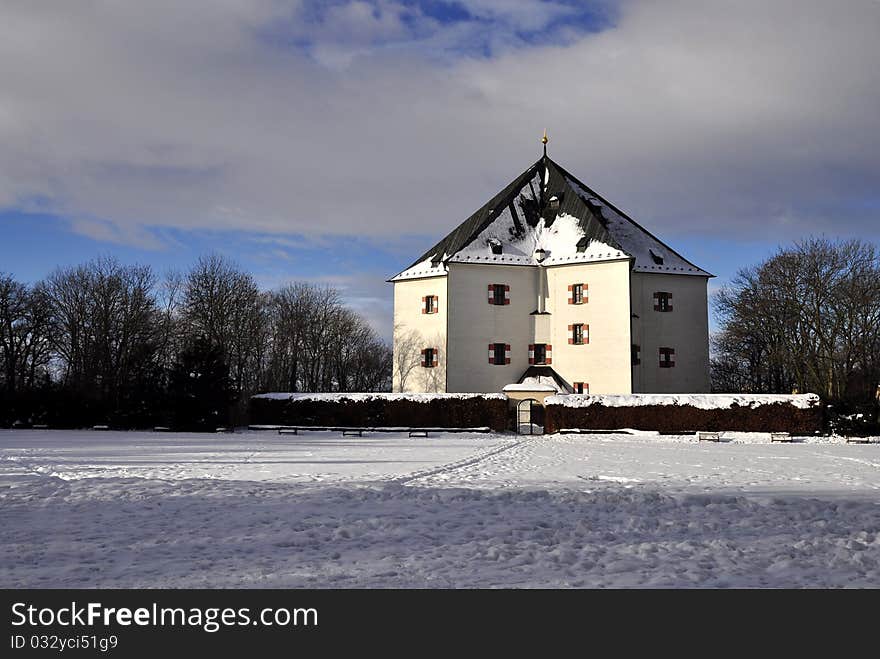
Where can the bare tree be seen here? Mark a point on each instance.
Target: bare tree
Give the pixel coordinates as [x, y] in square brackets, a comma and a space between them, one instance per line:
[68, 293]
[24, 334]
[223, 305]
[360, 360]
[104, 324]
[808, 319]
[170, 327]
[13, 304]
[119, 345]
[319, 344]
[407, 355]
[290, 310]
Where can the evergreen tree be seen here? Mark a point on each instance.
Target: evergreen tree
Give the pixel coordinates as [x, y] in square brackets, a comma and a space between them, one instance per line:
[200, 388]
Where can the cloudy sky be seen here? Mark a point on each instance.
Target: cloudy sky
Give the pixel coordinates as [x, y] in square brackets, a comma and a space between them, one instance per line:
[335, 141]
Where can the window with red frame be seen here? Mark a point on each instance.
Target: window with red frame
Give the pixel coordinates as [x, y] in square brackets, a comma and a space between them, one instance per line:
[499, 294]
[499, 354]
[578, 294]
[430, 357]
[430, 304]
[662, 301]
[667, 357]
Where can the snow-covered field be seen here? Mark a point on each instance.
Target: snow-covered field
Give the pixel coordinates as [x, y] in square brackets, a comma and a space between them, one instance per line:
[139, 509]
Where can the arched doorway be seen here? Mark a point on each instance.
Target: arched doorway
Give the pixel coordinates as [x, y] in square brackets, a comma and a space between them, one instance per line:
[529, 417]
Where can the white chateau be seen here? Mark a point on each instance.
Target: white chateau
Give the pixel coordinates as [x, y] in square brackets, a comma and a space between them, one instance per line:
[549, 287]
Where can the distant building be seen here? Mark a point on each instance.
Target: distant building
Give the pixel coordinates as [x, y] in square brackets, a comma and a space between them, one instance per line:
[551, 286]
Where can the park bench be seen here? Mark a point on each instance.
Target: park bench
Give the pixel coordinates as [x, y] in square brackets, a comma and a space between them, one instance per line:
[708, 436]
[359, 431]
[619, 431]
[295, 430]
[780, 437]
[423, 432]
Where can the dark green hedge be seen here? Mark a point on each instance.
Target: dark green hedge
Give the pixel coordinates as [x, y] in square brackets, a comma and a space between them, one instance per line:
[774, 417]
[440, 412]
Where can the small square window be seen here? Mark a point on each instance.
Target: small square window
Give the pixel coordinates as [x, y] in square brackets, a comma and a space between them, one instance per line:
[429, 357]
[499, 354]
[578, 294]
[499, 294]
[430, 303]
[662, 301]
[636, 355]
[580, 334]
[581, 387]
[540, 353]
[667, 357]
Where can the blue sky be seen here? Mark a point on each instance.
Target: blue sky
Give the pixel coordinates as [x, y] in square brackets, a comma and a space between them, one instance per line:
[335, 141]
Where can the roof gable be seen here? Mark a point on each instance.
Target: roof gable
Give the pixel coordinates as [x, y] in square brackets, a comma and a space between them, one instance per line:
[650, 253]
[547, 208]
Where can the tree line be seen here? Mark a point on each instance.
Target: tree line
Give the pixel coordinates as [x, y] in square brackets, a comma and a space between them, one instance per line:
[805, 320]
[109, 343]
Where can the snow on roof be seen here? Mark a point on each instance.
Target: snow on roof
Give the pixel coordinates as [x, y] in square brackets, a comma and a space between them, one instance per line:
[701, 401]
[537, 382]
[418, 398]
[526, 386]
[520, 220]
[423, 269]
[636, 241]
[559, 240]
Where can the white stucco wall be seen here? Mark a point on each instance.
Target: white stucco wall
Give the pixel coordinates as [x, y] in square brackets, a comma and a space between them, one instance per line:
[604, 363]
[414, 330]
[474, 324]
[464, 329]
[685, 328]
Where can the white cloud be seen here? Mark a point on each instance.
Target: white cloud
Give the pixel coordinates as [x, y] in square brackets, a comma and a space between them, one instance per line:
[524, 15]
[691, 115]
[120, 234]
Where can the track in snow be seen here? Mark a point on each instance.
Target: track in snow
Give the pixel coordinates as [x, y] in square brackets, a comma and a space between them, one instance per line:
[255, 510]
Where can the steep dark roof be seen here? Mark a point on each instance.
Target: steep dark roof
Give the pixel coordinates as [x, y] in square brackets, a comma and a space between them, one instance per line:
[537, 372]
[514, 214]
[557, 186]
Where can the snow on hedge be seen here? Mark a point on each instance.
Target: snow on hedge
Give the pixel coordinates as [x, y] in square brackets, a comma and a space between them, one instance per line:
[336, 397]
[701, 401]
